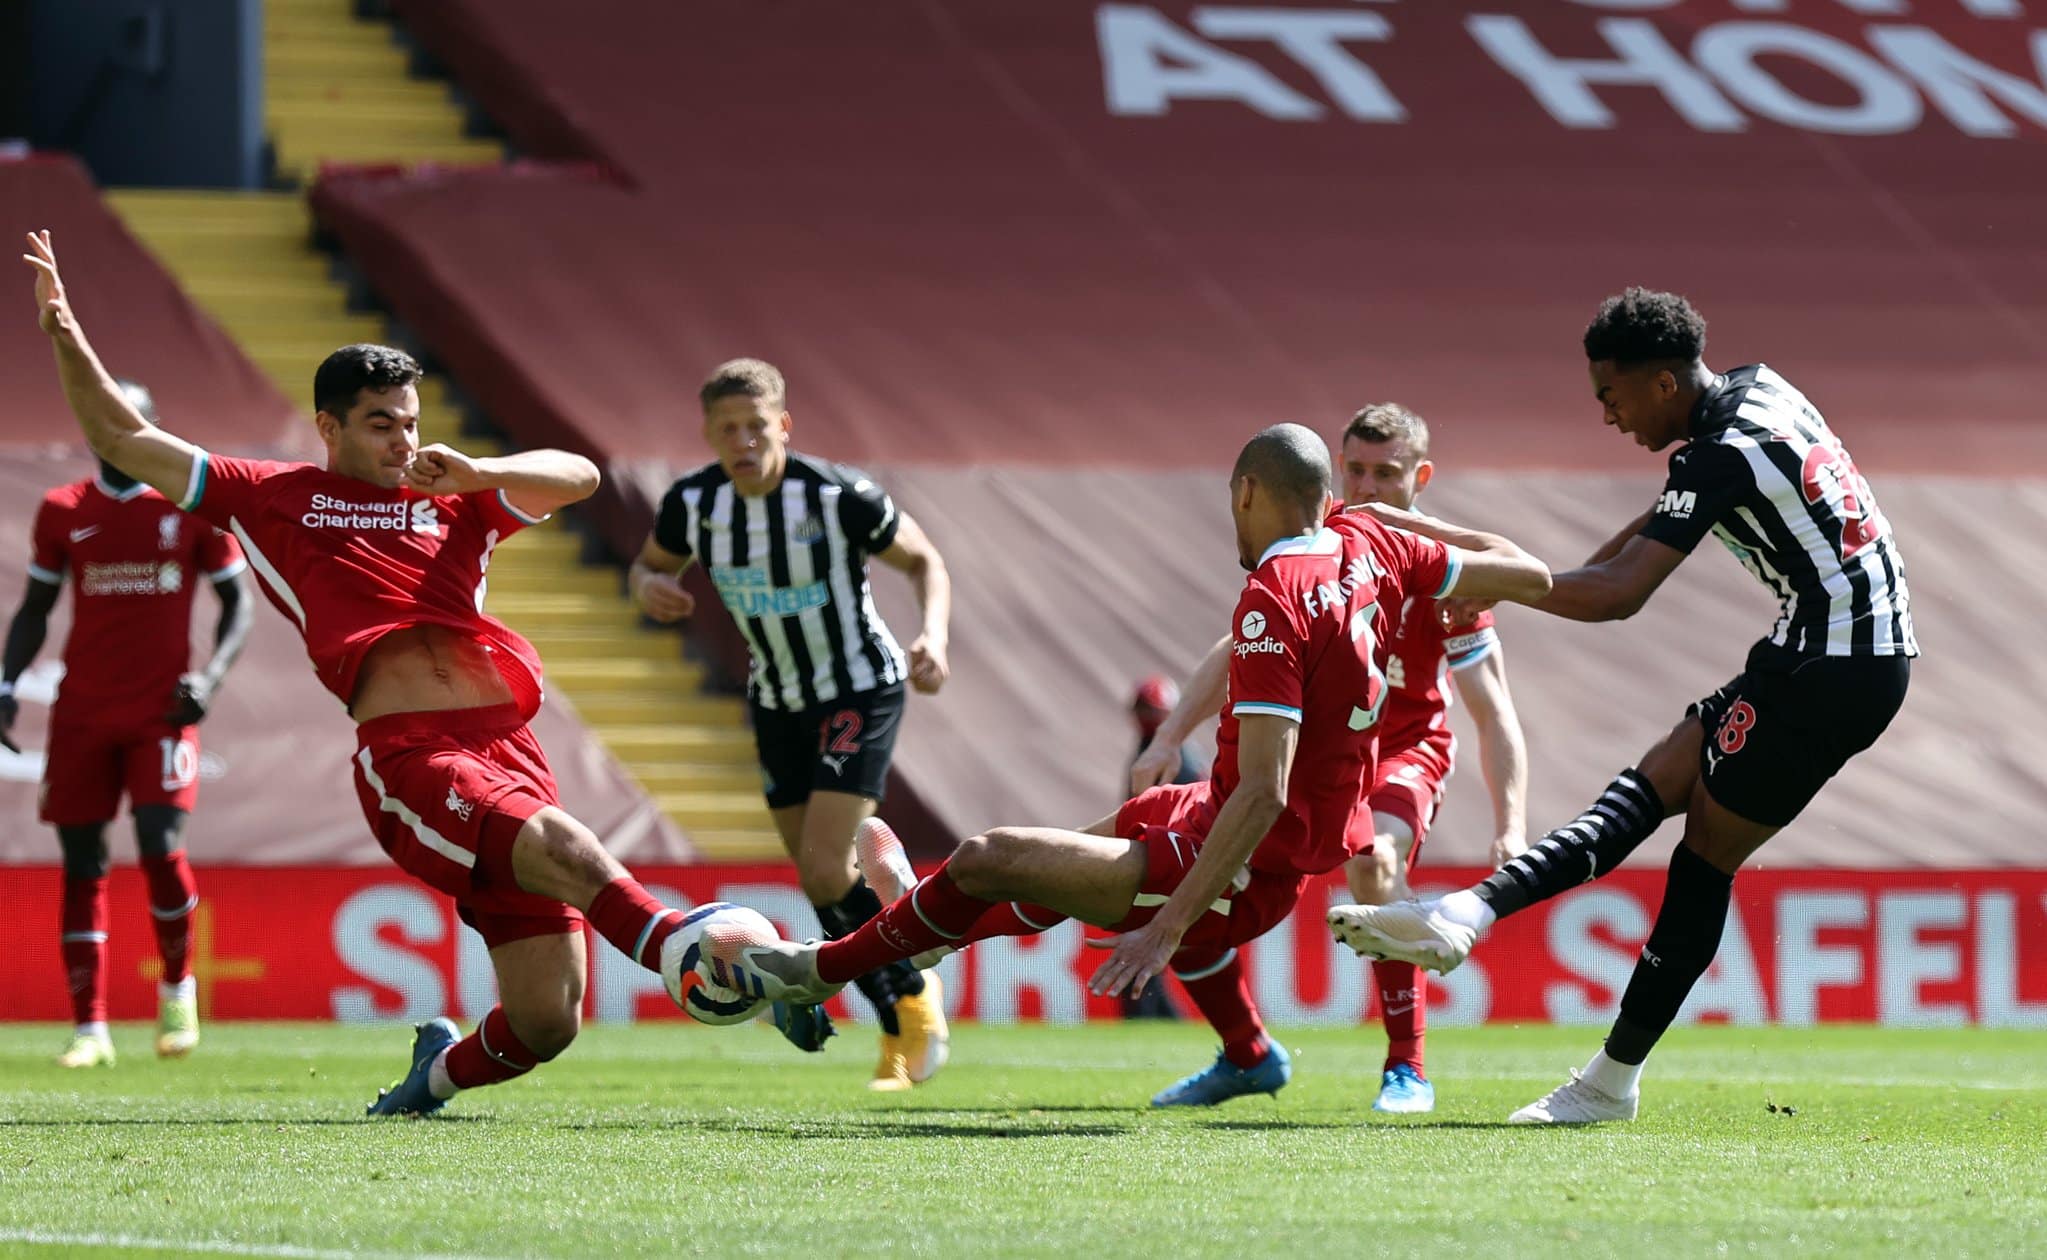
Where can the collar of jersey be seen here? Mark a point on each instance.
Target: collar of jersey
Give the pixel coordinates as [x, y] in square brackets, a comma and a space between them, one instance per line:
[1322, 542]
[1699, 409]
[119, 496]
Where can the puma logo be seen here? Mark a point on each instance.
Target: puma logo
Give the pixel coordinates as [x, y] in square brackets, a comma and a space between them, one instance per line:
[838, 764]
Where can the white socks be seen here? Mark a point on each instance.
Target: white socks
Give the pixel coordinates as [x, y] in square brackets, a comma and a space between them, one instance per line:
[98, 1029]
[183, 990]
[1465, 909]
[438, 1082]
[1616, 1080]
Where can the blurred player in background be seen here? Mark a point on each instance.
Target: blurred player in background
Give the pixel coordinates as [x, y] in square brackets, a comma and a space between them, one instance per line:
[379, 560]
[1385, 459]
[1156, 698]
[126, 719]
[786, 538]
[1186, 873]
[1759, 469]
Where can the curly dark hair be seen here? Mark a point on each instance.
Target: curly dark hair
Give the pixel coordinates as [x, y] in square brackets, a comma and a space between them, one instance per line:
[353, 369]
[1644, 326]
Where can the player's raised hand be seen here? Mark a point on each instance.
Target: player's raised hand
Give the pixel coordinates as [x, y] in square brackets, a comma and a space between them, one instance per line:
[441, 469]
[928, 667]
[53, 309]
[663, 597]
[10, 708]
[1158, 763]
[1137, 957]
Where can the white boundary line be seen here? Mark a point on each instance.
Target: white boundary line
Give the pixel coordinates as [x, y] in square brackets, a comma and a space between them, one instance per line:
[49, 1238]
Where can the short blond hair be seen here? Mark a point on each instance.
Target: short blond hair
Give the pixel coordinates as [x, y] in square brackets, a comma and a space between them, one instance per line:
[745, 378]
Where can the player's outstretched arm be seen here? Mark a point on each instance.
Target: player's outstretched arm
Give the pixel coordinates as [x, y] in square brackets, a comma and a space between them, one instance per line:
[534, 482]
[1265, 755]
[656, 583]
[25, 635]
[1614, 588]
[913, 553]
[113, 428]
[1493, 568]
[1201, 699]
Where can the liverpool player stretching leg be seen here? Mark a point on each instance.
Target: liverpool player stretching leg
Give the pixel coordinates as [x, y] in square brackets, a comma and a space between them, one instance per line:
[378, 560]
[1759, 469]
[126, 719]
[1186, 873]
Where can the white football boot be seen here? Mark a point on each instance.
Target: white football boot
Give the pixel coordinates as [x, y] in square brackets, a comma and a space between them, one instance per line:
[1577, 1101]
[1406, 931]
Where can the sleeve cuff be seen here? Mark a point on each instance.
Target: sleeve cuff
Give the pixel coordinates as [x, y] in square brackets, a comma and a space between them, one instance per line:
[195, 486]
[1288, 712]
[522, 517]
[1453, 568]
[239, 565]
[41, 574]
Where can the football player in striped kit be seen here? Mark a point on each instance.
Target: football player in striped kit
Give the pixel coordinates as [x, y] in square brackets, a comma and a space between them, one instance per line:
[1757, 467]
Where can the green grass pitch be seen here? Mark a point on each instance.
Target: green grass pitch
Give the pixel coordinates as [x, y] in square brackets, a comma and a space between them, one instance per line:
[658, 1140]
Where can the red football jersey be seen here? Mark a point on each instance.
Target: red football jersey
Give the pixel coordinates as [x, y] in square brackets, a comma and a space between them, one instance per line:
[1309, 643]
[1418, 665]
[348, 562]
[133, 560]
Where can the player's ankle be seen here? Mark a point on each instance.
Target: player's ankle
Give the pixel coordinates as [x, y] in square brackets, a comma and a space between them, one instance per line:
[1466, 909]
[1612, 1077]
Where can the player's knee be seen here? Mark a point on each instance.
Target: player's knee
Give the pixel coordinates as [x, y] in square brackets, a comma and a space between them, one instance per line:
[977, 866]
[556, 856]
[159, 831]
[547, 1032]
[85, 851]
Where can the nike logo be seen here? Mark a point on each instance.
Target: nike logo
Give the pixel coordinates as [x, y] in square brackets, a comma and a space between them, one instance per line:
[80, 535]
[1400, 1010]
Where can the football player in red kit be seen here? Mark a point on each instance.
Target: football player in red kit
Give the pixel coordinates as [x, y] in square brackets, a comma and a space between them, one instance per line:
[378, 560]
[126, 718]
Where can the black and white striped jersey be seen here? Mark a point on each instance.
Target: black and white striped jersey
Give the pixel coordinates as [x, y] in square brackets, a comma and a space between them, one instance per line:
[791, 566]
[1766, 475]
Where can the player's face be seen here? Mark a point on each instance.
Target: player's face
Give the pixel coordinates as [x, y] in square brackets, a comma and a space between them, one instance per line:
[750, 436]
[1383, 472]
[1640, 401]
[376, 441]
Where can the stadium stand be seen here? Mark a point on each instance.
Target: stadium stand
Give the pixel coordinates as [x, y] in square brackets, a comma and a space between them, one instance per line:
[847, 192]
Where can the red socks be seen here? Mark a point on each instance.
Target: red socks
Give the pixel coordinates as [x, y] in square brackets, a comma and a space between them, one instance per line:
[491, 1054]
[932, 914]
[1403, 1004]
[83, 944]
[1222, 992]
[630, 918]
[173, 895]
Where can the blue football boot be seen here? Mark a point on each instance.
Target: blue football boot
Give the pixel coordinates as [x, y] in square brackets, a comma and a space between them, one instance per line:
[1223, 1080]
[1404, 1091]
[410, 1096]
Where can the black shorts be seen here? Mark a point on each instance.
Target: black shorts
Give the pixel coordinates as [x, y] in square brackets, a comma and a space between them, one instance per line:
[1776, 733]
[843, 745]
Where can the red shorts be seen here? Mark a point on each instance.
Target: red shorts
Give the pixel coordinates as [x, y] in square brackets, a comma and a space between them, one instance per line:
[89, 766]
[1409, 786]
[1171, 821]
[445, 795]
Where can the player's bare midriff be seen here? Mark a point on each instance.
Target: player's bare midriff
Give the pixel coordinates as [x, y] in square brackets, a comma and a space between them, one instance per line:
[426, 669]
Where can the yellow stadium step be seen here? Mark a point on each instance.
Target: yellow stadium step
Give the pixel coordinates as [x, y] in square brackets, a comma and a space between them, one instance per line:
[625, 708]
[690, 776]
[647, 744]
[735, 846]
[608, 673]
[715, 811]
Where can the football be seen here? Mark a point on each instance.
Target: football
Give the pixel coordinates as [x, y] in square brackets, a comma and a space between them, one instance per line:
[713, 930]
